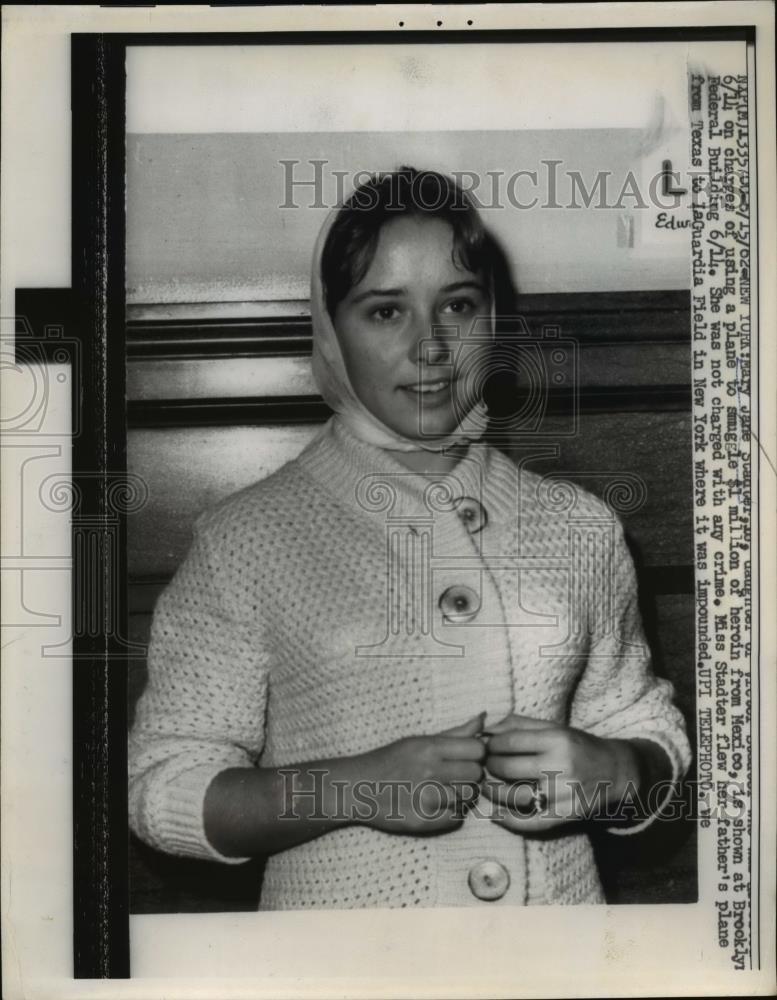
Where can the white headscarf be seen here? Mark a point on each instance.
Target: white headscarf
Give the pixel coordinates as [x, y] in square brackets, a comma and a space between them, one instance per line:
[331, 377]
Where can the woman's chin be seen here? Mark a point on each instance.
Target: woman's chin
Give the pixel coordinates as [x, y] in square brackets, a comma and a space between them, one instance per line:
[431, 419]
[428, 432]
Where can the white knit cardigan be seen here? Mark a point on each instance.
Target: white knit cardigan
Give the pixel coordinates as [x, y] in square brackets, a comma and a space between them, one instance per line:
[305, 623]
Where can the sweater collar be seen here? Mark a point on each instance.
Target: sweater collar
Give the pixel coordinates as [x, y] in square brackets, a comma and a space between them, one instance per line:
[363, 475]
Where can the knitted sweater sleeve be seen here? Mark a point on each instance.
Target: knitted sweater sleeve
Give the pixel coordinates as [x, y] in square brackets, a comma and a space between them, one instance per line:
[202, 710]
[619, 696]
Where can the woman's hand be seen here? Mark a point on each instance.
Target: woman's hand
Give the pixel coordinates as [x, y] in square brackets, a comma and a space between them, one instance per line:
[572, 774]
[420, 784]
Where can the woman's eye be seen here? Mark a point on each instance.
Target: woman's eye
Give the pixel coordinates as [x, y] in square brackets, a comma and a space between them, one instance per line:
[460, 306]
[385, 313]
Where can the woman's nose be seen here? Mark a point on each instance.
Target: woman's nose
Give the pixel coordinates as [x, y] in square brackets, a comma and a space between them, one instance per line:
[429, 343]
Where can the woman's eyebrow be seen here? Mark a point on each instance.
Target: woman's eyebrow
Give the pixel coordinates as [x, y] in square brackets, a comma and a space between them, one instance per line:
[388, 292]
[464, 284]
[377, 291]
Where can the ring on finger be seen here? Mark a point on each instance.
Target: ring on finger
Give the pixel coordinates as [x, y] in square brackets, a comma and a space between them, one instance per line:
[538, 801]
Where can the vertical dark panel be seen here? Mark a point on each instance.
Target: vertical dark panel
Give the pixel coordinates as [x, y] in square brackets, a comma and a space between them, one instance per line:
[101, 921]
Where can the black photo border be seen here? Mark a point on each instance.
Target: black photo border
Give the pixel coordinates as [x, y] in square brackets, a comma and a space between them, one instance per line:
[92, 313]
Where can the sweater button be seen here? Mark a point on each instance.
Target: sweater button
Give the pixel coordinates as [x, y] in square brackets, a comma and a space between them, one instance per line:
[472, 513]
[488, 880]
[459, 603]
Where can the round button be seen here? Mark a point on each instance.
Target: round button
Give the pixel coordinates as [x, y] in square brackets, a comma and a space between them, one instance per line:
[472, 513]
[459, 603]
[489, 880]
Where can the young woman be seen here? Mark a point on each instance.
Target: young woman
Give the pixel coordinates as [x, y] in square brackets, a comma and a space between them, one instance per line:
[396, 622]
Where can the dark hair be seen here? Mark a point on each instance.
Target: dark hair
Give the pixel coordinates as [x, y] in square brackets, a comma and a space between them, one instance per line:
[353, 238]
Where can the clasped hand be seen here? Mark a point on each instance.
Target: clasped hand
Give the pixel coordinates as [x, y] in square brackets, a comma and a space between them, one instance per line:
[515, 762]
[575, 774]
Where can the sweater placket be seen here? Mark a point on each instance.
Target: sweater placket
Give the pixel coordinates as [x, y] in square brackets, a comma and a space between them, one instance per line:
[433, 558]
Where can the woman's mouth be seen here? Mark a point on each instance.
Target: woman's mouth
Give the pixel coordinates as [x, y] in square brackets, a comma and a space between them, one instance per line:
[429, 388]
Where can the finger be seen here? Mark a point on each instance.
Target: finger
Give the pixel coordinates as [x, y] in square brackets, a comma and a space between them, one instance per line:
[471, 727]
[461, 748]
[454, 797]
[530, 824]
[511, 722]
[515, 768]
[467, 793]
[519, 794]
[527, 805]
[452, 771]
[492, 789]
[523, 741]
[514, 800]
[463, 772]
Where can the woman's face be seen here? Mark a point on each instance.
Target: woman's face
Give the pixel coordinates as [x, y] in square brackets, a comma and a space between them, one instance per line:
[402, 369]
